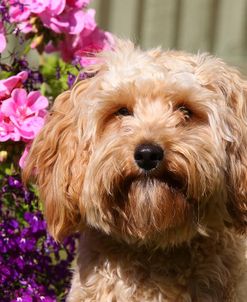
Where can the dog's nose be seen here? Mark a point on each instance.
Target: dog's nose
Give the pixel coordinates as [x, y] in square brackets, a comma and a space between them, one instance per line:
[148, 156]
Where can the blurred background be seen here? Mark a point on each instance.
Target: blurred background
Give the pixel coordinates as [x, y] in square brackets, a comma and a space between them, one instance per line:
[215, 26]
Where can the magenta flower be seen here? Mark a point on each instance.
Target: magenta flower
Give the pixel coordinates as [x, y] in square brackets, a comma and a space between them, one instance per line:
[2, 38]
[39, 6]
[84, 45]
[22, 9]
[96, 41]
[7, 130]
[61, 16]
[81, 36]
[78, 3]
[21, 114]
[25, 112]
[7, 85]
[24, 155]
[89, 45]
[18, 11]
[70, 21]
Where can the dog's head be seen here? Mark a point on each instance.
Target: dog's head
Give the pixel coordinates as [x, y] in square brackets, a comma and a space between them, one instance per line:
[151, 149]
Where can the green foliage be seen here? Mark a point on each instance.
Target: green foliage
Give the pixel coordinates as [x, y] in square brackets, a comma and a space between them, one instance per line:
[55, 73]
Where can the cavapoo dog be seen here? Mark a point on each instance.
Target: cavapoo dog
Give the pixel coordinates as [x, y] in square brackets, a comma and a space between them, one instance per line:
[147, 159]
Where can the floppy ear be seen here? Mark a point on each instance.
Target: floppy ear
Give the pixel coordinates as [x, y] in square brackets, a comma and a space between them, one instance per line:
[228, 82]
[57, 161]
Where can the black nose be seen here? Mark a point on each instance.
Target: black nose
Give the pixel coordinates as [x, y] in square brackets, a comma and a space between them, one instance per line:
[148, 156]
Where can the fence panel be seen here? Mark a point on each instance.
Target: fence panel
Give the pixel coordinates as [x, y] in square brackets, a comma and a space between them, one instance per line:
[217, 26]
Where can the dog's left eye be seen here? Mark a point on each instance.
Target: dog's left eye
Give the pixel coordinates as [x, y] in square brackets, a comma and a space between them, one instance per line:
[186, 111]
[123, 111]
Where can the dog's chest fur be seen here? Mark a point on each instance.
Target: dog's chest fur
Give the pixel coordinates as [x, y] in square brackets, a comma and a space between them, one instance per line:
[207, 270]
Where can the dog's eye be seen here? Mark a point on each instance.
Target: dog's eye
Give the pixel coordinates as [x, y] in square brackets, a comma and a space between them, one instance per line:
[123, 111]
[186, 111]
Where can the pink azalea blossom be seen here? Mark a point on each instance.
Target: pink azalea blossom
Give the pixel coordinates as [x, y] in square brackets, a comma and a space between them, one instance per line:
[21, 114]
[78, 3]
[82, 37]
[19, 12]
[89, 21]
[24, 155]
[7, 130]
[2, 38]
[85, 46]
[95, 42]
[25, 27]
[61, 16]
[25, 112]
[69, 21]
[39, 6]
[7, 85]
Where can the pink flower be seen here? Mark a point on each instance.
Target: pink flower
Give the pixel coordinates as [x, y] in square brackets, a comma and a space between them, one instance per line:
[2, 38]
[25, 27]
[24, 155]
[7, 85]
[25, 112]
[85, 44]
[39, 6]
[78, 3]
[89, 20]
[70, 21]
[57, 6]
[19, 12]
[21, 114]
[96, 41]
[58, 15]
[81, 38]
[7, 130]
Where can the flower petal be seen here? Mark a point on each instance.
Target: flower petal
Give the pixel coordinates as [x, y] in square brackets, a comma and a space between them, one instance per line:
[8, 107]
[36, 101]
[7, 85]
[2, 38]
[19, 96]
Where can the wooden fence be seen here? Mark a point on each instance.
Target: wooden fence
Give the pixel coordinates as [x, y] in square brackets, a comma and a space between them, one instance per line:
[215, 26]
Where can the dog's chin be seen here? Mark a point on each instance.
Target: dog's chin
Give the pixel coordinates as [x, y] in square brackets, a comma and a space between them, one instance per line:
[149, 207]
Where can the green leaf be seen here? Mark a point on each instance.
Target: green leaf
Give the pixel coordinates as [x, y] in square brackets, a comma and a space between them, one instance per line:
[55, 85]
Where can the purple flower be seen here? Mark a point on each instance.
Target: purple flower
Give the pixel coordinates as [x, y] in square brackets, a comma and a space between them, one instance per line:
[28, 196]
[20, 262]
[58, 72]
[14, 182]
[27, 252]
[35, 221]
[4, 12]
[71, 79]
[27, 244]
[23, 298]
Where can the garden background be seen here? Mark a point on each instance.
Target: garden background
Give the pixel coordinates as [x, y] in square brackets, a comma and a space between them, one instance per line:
[44, 47]
[215, 26]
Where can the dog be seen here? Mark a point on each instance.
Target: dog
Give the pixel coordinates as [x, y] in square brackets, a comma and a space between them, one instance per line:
[147, 159]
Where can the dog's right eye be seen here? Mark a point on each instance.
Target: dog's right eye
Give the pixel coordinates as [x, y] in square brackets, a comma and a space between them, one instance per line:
[123, 111]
